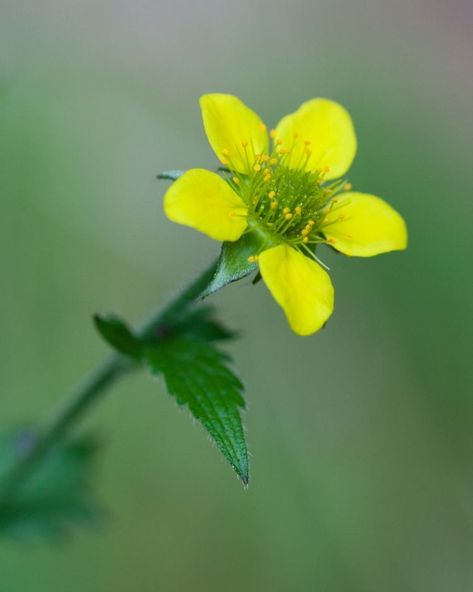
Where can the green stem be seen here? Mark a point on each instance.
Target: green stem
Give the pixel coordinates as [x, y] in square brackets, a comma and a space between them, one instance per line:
[94, 387]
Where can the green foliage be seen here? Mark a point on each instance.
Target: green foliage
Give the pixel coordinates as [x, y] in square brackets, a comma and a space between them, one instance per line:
[118, 335]
[197, 374]
[56, 495]
[182, 348]
[233, 264]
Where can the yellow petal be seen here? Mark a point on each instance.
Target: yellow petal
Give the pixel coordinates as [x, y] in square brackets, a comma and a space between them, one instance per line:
[325, 129]
[364, 225]
[235, 132]
[204, 201]
[300, 286]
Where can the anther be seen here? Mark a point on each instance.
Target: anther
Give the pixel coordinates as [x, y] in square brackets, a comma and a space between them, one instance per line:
[273, 161]
[252, 258]
[298, 210]
[271, 194]
[257, 167]
[348, 186]
[288, 216]
[274, 204]
[273, 133]
[305, 239]
[225, 152]
[236, 180]
[286, 210]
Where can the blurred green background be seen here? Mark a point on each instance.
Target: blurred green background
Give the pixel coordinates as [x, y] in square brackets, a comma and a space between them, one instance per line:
[361, 436]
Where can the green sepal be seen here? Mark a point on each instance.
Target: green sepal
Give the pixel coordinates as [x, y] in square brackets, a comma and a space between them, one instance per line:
[170, 175]
[117, 334]
[57, 495]
[198, 376]
[233, 264]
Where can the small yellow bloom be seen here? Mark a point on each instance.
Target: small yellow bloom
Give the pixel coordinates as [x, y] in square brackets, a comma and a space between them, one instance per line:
[303, 178]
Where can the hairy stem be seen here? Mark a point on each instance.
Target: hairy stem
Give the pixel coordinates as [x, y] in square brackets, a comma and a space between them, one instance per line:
[81, 399]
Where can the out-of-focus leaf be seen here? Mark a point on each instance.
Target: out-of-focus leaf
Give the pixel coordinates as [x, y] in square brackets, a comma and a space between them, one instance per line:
[56, 495]
[197, 374]
[233, 262]
[118, 335]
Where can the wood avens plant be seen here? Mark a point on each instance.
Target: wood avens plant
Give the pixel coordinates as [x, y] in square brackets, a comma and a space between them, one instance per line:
[276, 199]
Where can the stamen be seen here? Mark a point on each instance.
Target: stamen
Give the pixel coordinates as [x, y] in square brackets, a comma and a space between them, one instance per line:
[284, 199]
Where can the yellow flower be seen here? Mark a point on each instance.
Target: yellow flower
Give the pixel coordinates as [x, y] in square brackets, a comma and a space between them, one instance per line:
[289, 195]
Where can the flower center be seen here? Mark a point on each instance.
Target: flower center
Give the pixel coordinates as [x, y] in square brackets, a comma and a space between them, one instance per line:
[285, 204]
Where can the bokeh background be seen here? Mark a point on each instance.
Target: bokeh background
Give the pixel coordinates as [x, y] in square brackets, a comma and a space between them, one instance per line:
[361, 436]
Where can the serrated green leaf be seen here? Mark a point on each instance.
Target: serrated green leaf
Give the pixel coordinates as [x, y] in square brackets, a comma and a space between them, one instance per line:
[56, 496]
[233, 264]
[170, 175]
[197, 374]
[117, 334]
